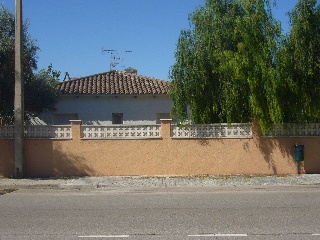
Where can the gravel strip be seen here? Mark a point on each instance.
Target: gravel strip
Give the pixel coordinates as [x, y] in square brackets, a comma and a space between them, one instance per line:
[161, 181]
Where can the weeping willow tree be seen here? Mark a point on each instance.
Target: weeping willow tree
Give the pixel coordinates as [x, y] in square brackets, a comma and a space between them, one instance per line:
[299, 65]
[225, 69]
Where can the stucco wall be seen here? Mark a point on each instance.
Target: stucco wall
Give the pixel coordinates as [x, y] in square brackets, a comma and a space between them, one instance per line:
[6, 158]
[98, 109]
[165, 156]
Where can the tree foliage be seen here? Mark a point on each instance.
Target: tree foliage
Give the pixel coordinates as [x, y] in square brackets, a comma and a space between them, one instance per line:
[226, 67]
[299, 65]
[198, 75]
[40, 93]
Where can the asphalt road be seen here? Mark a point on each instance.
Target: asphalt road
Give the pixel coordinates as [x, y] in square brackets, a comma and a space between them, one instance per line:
[162, 213]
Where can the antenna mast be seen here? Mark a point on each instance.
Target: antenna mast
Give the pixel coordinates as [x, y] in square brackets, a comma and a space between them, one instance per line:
[115, 57]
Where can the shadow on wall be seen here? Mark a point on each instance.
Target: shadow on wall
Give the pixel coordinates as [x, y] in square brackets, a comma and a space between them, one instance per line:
[269, 147]
[7, 162]
[46, 158]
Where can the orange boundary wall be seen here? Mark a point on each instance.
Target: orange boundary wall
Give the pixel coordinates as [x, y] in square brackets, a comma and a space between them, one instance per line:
[165, 156]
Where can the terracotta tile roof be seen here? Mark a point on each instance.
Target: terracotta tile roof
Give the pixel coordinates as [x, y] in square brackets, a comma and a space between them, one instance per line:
[114, 82]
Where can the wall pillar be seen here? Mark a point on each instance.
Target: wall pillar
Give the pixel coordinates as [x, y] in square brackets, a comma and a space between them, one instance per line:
[76, 129]
[166, 128]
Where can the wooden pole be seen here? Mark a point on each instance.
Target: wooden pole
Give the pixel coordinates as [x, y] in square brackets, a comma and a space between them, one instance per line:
[18, 95]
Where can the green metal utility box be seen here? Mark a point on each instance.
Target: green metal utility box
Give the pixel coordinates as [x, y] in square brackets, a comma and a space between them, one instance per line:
[298, 153]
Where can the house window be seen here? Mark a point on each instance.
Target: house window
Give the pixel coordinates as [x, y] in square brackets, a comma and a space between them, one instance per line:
[162, 116]
[117, 118]
[63, 119]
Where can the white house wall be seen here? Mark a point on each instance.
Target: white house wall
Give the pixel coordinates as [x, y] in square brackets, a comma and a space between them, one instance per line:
[97, 110]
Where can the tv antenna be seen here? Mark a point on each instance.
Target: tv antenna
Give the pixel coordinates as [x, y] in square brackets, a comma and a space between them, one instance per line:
[115, 56]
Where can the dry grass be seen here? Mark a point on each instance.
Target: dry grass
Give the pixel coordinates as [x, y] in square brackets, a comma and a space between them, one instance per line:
[8, 190]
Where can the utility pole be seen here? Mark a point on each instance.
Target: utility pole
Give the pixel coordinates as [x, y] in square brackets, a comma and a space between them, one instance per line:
[19, 93]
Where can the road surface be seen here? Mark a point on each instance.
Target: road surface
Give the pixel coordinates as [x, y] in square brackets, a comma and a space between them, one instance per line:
[162, 213]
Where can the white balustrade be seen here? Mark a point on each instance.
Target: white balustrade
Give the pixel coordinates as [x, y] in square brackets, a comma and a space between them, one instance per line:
[223, 130]
[295, 130]
[120, 132]
[6, 132]
[38, 131]
[235, 130]
[48, 131]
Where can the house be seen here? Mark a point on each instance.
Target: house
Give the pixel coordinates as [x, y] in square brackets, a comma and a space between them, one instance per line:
[113, 97]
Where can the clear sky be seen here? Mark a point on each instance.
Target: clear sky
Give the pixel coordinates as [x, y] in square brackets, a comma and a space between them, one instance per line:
[71, 34]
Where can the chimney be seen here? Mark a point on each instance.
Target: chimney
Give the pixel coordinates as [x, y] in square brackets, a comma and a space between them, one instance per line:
[131, 71]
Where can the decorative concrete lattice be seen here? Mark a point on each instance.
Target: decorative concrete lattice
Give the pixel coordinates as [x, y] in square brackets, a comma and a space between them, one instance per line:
[223, 130]
[295, 130]
[121, 131]
[6, 132]
[48, 131]
[40, 131]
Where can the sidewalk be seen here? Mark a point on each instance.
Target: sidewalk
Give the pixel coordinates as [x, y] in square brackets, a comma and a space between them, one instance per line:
[136, 181]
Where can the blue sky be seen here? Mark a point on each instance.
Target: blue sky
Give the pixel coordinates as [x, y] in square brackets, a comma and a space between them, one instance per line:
[72, 33]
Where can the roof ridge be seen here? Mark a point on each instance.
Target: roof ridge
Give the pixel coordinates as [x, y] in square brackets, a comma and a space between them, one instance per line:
[114, 82]
[113, 71]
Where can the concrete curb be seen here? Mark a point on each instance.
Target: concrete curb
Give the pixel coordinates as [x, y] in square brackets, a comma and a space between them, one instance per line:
[161, 181]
